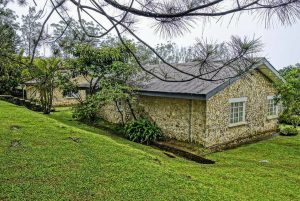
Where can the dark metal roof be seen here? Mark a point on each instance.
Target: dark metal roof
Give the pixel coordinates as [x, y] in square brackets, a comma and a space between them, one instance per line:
[195, 89]
[82, 84]
[30, 82]
[85, 84]
[198, 88]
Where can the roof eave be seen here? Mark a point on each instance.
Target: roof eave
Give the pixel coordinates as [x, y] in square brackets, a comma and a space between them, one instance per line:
[173, 95]
[272, 70]
[221, 87]
[264, 61]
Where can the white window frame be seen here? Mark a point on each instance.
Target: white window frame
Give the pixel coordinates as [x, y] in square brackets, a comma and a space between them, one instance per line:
[120, 105]
[242, 100]
[276, 108]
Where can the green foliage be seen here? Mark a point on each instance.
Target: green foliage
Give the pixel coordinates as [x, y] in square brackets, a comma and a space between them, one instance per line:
[10, 75]
[294, 120]
[290, 119]
[74, 34]
[112, 91]
[30, 30]
[289, 131]
[45, 73]
[97, 59]
[289, 94]
[10, 69]
[108, 71]
[142, 131]
[87, 110]
[99, 64]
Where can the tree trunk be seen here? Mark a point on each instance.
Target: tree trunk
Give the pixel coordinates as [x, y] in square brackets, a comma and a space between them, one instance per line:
[121, 114]
[131, 109]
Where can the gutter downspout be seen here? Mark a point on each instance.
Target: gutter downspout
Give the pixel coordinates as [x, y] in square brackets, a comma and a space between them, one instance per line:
[190, 136]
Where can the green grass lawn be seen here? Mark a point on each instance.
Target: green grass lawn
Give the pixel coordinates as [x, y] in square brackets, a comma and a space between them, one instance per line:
[47, 165]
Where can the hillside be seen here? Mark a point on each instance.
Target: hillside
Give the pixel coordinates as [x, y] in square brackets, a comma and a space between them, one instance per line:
[54, 158]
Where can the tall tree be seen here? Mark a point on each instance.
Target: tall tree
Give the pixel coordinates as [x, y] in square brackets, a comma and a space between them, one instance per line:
[95, 64]
[66, 36]
[170, 51]
[289, 91]
[10, 70]
[30, 29]
[45, 72]
[107, 70]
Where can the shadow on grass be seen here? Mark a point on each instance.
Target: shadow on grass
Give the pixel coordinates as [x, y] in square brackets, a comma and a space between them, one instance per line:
[113, 131]
[64, 115]
[101, 127]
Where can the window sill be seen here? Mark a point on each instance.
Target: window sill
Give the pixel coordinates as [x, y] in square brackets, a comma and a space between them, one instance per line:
[272, 117]
[237, 124]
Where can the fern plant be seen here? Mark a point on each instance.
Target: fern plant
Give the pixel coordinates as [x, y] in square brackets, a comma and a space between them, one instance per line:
[142, 131]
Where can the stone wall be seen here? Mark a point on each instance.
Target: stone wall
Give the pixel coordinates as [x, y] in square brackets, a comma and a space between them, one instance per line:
[256, 87]
[180, 119]
[58, 100]
[171, 115]
[202, 122]
[207, 122]
[198, 121]
[110, 113]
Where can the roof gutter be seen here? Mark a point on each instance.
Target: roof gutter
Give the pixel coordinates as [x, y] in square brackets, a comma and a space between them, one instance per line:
[173, 95]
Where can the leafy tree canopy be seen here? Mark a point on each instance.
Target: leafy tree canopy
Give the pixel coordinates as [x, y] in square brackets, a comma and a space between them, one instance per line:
[45, 72]
[30, 29]
[98, 63]
[289, 91]
[66, 36]
[10, 70]
[289, 94]
[107, 69]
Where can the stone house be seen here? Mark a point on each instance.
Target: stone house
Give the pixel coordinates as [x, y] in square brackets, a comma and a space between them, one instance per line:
[59, 98]
[211, 113]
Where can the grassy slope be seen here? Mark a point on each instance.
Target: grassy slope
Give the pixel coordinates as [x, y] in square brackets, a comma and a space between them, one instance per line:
[49, 166]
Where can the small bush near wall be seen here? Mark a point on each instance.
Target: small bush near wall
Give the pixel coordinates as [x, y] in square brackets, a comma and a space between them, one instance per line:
[142, 131]
[290, 119]
[86, 111]
[289, 131]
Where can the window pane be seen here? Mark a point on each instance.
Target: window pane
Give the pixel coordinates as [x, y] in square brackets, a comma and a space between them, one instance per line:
[237, 112]
[271, 107]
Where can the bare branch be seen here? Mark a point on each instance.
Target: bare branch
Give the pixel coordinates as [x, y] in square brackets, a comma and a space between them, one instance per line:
[174, 18]
[42, 30]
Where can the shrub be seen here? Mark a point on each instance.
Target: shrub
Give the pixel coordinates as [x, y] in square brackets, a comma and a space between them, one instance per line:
[290, 119]
[294, 120]
[283, 118]
[86, 111]
[142, 131]
[288, 131]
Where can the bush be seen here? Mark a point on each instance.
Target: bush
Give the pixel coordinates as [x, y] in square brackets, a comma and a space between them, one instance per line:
[86, 111]
[283, 119]
[142, 131]
[294, 120]
[288, 131]
[290, 119]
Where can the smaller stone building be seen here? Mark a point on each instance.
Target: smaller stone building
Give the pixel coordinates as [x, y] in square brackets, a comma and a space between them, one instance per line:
[211, 113]
[59, 99]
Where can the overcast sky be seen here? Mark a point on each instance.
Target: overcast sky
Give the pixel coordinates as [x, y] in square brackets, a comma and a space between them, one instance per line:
[281, 43]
